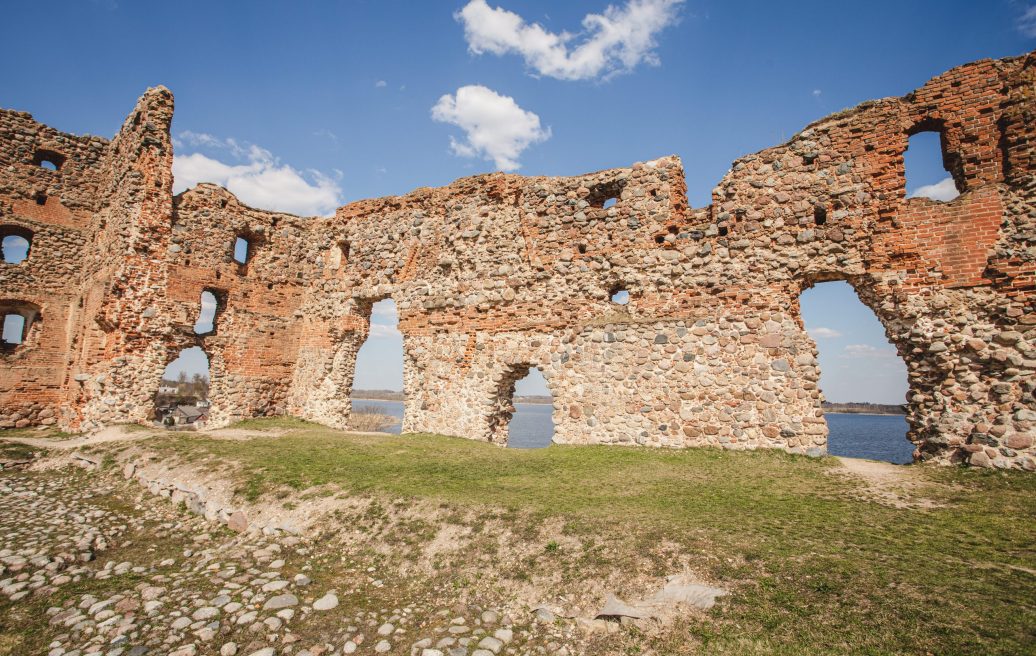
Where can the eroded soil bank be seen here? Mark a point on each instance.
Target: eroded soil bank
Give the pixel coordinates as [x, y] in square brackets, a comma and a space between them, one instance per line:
[280, 537]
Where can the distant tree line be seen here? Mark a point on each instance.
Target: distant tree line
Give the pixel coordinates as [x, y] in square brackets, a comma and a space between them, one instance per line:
[864, 408]
[188, 390]
[391, 395]
[377, 395]
[861, 408]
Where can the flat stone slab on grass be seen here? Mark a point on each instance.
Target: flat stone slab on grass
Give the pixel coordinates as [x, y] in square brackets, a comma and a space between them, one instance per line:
[678, 589]
[281, 601]
[327, 602]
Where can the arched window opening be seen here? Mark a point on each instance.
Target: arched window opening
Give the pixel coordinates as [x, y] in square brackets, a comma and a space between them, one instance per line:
[926, 169]
[377, 392]
[606, 194]
[14, 330]
[531, 425]
[48, 159]
[242, 250]
[182, 400]
[208, 309]
[620, 296]
[20, 323]
[862, 377]
[16, 242]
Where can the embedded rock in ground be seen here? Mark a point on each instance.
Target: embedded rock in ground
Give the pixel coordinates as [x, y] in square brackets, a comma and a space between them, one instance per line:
[327, 602]
[615, 607]
[281, 601]
[238, 521]
[678, 590]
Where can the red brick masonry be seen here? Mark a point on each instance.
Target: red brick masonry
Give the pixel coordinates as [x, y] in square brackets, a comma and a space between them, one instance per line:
[495, 274]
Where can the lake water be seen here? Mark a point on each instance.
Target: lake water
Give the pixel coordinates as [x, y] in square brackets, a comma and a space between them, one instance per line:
[877, 437]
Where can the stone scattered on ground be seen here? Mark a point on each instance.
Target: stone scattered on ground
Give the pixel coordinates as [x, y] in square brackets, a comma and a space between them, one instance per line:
[99, 567]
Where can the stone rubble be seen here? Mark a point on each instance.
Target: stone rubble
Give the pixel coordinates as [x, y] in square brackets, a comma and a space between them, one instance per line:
[149, 578]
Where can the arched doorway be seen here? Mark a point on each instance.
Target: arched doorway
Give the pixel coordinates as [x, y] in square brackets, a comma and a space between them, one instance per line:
[532, 423]
[377, 391]
[862, 377]
[524, 414]
[182, 400]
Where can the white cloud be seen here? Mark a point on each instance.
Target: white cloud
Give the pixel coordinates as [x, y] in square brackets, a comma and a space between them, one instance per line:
[207, 314]
[381, 84]
[324, 133]
[208, 304]
[854, 351]
[611, 43]
[823, 333]
[205, 140]
[385, 320]
[259, 180]
[943, 190]
[1027, 22]
[383, 331]
[495, 127]
[386, 308]
[816, 93]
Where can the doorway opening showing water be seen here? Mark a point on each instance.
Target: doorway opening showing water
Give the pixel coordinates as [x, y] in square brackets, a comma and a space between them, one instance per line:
[377, 393]
[863, 378]
[532, 422]
[182, 400]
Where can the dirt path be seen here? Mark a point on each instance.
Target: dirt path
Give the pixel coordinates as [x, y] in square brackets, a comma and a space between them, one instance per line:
[135, 433]
[110, 434]
[895, 485]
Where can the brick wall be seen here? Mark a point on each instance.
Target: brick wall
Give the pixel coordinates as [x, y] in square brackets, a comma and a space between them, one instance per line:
[498, 273]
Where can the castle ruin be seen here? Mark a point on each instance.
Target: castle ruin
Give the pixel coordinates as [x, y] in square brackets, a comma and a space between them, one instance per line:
[496, 274]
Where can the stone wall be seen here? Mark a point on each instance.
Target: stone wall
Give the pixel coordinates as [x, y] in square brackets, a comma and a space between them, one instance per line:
[496, 274]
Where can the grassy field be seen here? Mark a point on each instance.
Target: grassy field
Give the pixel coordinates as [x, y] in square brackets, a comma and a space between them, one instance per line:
[816, 562]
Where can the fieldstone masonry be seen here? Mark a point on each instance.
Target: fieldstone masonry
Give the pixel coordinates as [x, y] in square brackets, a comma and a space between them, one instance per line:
[496, 274]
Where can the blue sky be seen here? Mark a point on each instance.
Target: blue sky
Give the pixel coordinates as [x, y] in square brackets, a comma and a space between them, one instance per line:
[305, 106]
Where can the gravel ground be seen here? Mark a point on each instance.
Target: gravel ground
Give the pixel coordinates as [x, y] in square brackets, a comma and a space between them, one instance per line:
[91, 565]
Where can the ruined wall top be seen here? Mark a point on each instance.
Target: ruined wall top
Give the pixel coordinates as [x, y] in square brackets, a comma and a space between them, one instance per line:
[493, 264]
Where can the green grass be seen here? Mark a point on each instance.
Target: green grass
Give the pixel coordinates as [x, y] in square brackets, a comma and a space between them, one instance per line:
[17, 451]
[36, 432]
[815, 566]
[271, 423]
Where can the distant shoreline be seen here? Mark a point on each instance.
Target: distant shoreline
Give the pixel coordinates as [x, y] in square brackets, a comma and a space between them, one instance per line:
[876, 409]
[520, 399]
[865, 414]
[863, 409]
